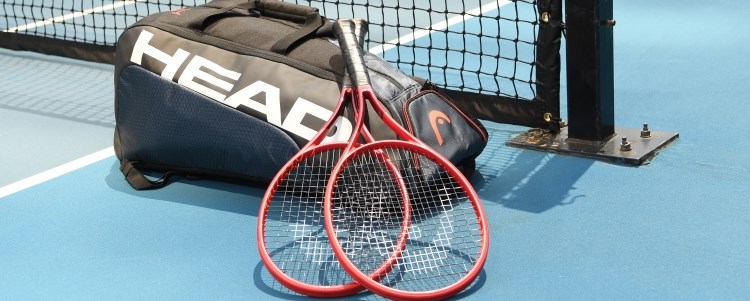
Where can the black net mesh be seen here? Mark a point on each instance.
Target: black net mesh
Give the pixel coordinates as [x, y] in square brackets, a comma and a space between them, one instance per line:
[477, 46]
[486, 47]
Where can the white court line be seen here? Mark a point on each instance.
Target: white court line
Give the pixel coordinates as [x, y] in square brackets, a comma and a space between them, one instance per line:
[72, 16]
[375, 50]
[408, 38]
[56, 172]
[80, 162]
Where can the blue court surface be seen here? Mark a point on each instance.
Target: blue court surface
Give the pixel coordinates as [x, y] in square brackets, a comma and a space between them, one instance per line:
[562, 228]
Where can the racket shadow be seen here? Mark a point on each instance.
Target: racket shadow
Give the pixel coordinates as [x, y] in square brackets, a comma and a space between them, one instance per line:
[456, 256]
[264, 282]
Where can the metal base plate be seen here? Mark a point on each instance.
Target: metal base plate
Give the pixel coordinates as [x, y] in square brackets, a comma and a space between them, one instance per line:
[611, 150]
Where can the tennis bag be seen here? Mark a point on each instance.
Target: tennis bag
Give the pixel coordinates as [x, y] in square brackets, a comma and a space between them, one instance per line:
[233, 89]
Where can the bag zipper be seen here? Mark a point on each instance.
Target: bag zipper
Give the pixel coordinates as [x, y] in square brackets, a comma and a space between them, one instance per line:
[247, 50]
[241, 49]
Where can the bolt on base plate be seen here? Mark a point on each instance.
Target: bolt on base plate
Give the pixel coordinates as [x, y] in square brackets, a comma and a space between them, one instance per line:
[639, 151]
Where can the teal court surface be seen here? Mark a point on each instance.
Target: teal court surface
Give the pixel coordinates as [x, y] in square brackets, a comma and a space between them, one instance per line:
[562, 228]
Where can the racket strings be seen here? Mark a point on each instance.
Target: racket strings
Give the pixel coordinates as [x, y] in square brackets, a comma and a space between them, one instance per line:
[368, 211]
[295, 236]
[444, 236]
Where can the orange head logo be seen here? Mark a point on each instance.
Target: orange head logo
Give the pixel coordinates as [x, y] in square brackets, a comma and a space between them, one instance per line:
[437, 117]
[179, 10]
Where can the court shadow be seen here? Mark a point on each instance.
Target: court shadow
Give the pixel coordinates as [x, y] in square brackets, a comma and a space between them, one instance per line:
[526, 180]
[514, 178]
[217, 195]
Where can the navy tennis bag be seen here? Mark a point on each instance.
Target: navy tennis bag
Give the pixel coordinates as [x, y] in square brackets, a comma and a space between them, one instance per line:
[233, 89]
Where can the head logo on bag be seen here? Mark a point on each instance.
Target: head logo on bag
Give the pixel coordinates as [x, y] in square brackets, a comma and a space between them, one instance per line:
[207, 77]
[437, 117]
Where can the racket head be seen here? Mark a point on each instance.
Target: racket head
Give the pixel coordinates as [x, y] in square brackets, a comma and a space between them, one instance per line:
[447, 239]
[291, 239]
[391, 193]
[367, 222]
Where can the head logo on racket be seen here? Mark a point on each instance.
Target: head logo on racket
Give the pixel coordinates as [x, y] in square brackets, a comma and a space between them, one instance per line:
[437, 117]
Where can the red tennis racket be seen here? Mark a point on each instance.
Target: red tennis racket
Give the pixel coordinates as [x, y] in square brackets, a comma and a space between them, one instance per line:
[291, 238]
[399, 202]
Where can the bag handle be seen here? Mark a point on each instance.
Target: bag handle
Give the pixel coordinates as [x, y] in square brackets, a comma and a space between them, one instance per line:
[286, 11]
[309, 17]
[201, 20]
[138, 180]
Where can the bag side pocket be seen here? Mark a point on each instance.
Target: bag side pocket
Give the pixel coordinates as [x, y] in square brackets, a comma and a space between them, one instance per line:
[436, 121]
[161, 123]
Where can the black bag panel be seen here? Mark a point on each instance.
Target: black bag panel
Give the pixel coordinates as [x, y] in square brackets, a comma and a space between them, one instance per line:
[440, 124]
[397, 81]
[165, 124]
[392, 86]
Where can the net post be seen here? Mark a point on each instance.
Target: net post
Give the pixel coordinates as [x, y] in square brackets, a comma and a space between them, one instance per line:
[591, 131]
[590, 64]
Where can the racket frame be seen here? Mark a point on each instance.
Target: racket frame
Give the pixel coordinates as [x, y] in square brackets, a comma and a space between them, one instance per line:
[363, 95]
[312, 148]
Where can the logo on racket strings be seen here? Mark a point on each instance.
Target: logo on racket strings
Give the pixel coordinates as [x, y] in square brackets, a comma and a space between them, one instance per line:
[438, 118]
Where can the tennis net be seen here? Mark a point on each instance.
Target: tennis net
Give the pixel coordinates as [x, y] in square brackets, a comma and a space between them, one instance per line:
[492, 56]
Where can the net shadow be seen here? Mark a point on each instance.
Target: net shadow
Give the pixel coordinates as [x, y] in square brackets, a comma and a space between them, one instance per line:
[523, 179]
[60, 88]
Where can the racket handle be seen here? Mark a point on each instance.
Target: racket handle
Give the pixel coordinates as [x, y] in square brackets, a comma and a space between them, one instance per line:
[360, 31]
[348, 33]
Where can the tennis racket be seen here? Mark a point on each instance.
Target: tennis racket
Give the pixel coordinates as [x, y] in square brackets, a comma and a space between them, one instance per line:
[291, 238]
[401, 203]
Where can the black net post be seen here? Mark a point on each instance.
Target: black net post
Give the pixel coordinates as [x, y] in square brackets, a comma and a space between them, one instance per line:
[590, 56]
[591, 133]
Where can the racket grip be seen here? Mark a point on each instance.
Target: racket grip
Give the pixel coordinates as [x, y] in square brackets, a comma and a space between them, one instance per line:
[348, 33]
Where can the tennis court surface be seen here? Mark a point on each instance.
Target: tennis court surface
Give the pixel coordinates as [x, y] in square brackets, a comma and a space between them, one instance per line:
[562, 227]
